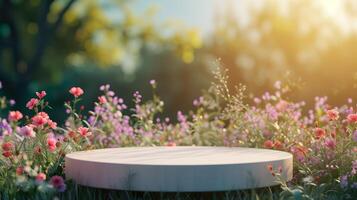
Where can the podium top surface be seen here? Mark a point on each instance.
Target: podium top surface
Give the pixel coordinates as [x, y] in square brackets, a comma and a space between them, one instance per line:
[189, 155]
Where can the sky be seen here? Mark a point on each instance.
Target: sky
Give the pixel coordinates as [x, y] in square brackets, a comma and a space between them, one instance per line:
[196, 13]
[201, 13]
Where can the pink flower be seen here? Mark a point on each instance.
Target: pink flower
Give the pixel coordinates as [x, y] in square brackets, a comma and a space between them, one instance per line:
[332, 114]
[152, 82]
[39, 120]
[52, 124]
[15, 115]
[267, 133]
[268, 144]
[257, 100]
[330, 143]
[58, 183]
[41, 94]
[27, 131]
[51, 143]
[282, 105]
[352, 118]
[102, 99]
[40, 177]
[319, 133]
[32, 103]
[83, 131]
[44, 115]
[76, 91]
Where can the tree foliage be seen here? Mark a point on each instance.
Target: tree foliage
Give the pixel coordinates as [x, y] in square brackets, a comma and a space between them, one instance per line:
[39, 39]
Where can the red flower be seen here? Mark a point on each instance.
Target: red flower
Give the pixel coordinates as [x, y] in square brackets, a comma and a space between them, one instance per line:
[71, 134]
[76, 91]
[352, 118]
[41, 94]
[278, 144]
[268, 144]
[40, 177]
[32, 103]
[171, 144]
[102, 99]
[7, 146]
[19, 170]
[319, 133]
[332, 114]
[84, 131]
[7, 154]
[333, 134]
[15, 115]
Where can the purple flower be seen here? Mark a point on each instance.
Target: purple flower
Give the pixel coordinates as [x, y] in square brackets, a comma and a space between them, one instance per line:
[354, 168]
[184, 126]
[5, 128]
[355, 136]
[58, 183]
[12, 102]
[344, 181]
[354, 185]
[272, 112]
[137, 97]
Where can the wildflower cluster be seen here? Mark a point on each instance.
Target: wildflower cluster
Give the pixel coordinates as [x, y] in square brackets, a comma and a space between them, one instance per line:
[323, 139]
[33, 150]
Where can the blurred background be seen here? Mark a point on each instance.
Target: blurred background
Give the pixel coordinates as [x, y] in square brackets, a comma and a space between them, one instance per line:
[55, 44]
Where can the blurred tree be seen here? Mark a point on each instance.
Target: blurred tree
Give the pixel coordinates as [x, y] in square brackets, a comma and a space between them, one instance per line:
[305, 39]
[39, 39]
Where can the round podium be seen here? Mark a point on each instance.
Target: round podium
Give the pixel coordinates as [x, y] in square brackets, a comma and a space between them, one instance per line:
[177, 169]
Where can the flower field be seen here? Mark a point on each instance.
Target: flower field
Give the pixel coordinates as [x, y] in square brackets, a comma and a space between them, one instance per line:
[323, 139]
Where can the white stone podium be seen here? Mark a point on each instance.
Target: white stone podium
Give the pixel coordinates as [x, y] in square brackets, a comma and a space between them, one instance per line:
[177, 169]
